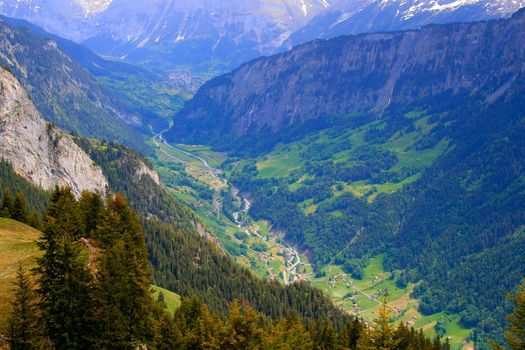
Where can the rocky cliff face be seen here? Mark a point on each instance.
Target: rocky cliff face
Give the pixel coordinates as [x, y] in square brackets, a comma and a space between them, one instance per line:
[144, 170]
[40, 152]
[365, 73]
[84, 106]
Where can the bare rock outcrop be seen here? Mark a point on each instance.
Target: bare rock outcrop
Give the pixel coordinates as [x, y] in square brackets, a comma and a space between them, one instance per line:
[39, 151]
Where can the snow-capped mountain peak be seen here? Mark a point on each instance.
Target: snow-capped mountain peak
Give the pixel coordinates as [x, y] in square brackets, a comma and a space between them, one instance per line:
[191, 31]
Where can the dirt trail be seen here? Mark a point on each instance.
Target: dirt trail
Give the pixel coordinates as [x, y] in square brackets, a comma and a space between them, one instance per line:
[93, 252]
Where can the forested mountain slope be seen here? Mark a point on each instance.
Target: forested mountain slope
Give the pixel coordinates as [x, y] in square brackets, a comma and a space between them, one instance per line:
[63, 91]
[143, 95]
[407, 144]
[47, 157]
[185, 257]
[324, 81]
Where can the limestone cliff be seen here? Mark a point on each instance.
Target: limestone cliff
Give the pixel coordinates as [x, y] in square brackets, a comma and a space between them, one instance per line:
[41, 152]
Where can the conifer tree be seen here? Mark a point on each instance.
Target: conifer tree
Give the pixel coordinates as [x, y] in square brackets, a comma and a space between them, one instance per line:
[64, 280]
[92, 210]
[123, 295]
[446, 346]
[515, 335]
[64, 211]
[349, 334]
[168, 335]
[19, 212]
[7, 204]
[195, 328]
[287, 334]
[383, 336]
[34, 221]
[24, 329]
[242, 329]
[324, 336]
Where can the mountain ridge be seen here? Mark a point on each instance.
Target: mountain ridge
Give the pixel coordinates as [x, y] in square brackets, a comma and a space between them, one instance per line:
[220, 35]
[367, 73]
[85, 106]
[345, 18]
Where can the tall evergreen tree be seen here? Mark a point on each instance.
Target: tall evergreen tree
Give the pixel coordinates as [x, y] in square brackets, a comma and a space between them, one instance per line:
[19, 212]
[64, 280]
[34, 221]
[25, 332]
[63, 211]
[382, 335]
[287, 334]
[242, 329]
[168, 334]
[92, 210]
[515, 335]
[349, 335]
[195, 328]
[123, 296]
[324, 336]
[7, 204]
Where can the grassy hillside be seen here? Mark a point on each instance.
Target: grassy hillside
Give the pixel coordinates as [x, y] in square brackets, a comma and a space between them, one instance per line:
[17, 246]
[171, 299]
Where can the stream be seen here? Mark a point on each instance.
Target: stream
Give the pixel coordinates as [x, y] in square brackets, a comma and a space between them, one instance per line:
[293, 259]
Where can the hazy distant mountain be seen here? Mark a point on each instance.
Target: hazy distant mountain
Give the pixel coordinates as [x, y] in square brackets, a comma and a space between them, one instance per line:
[221, 34]
[171, 32]
[345, 17]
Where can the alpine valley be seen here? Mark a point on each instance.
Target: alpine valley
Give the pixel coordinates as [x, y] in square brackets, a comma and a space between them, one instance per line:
[263, 174]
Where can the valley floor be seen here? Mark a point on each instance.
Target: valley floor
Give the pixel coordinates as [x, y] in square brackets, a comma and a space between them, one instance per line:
[254, 244]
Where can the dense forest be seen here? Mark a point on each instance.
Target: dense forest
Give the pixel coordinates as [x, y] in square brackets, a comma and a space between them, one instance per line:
[11, 183]
[186, 262]
[456, 231]
[104, 300]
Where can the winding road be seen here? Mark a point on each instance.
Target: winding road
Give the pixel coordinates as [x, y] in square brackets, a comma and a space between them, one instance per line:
[293, 259]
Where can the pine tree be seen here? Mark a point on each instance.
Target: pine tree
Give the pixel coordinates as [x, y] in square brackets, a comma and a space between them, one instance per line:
[64, 280]
[168, 335]
[324, 336]
[63, 210]
[287, 334]
[19, 212]
[34, 221]
[242, 330]
[515, 335]
[124, 301]
[92, 211]
[350, 334]
[195, 328]
[446, 346]
[25, 332]
[7, 204]
[383, 332]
